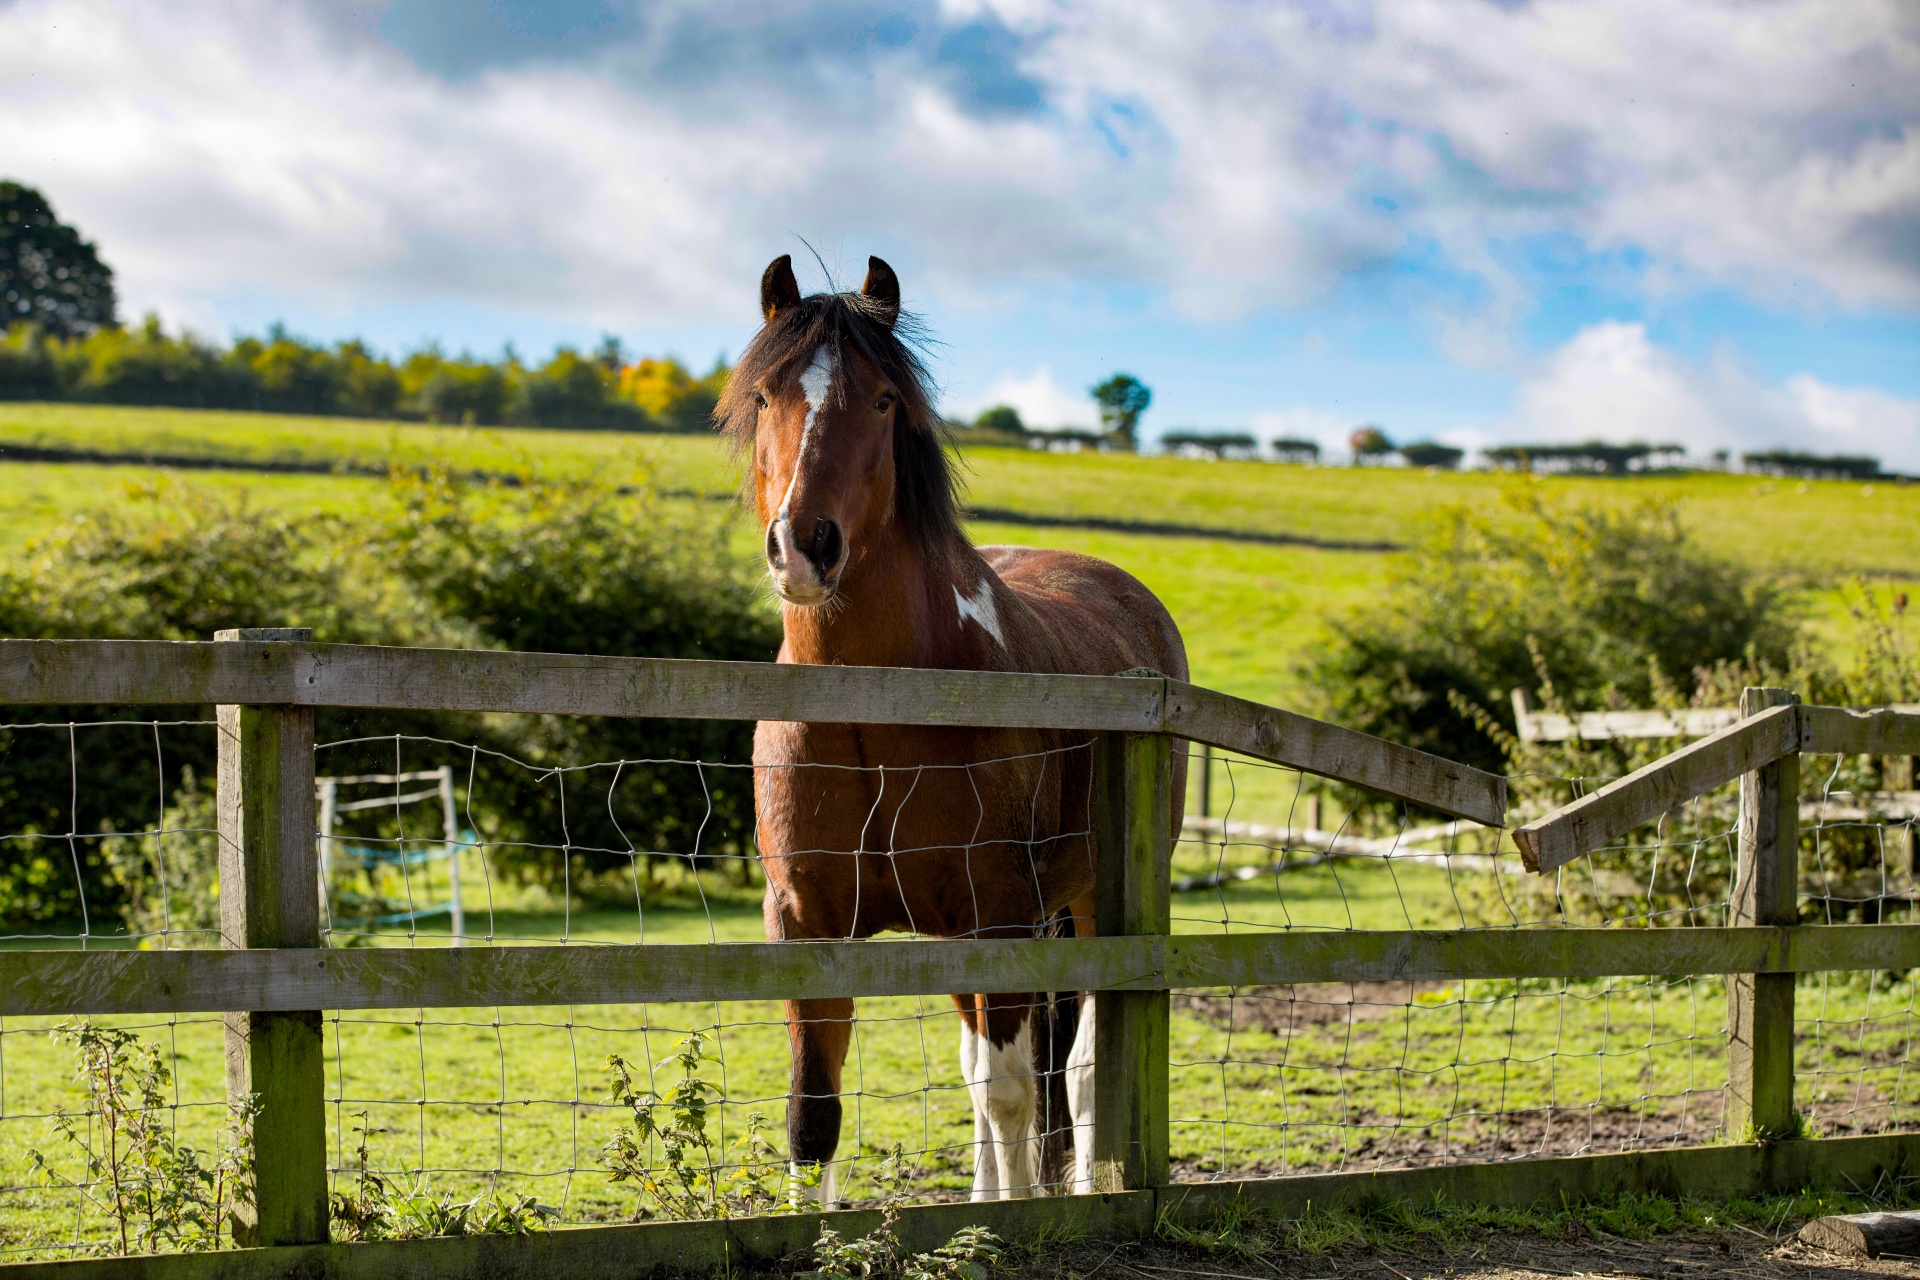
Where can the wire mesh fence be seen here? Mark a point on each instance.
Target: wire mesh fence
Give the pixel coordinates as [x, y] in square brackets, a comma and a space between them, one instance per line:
[448, 1105]
[1377, 1075]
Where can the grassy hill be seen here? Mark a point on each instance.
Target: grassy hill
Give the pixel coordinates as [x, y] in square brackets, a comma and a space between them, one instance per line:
[1248, 608]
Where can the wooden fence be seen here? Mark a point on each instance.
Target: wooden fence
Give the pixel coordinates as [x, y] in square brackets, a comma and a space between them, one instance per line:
[273, 978]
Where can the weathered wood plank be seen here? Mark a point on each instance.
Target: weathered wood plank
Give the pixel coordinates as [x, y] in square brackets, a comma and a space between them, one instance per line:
[57, 983]
[60, 982]
[1765, 892]
[631, 1252]
[1600, 726]
[1134, 836]
[1718, 1172]
[642, 1250]
[270, 897]
[1645, 794]
[138, 672]
[323, 675]
[1388, 956]
[1883, 731]
[1298, 742]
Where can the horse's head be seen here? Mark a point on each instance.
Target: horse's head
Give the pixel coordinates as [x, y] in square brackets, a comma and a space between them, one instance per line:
[833, 405]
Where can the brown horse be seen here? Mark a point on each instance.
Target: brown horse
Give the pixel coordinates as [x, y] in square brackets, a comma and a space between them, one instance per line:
[939, 831]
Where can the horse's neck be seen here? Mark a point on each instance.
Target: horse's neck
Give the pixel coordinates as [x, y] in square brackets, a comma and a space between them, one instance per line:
[895, 609]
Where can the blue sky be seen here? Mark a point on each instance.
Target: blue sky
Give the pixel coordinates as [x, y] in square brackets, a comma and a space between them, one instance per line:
[1470, 221]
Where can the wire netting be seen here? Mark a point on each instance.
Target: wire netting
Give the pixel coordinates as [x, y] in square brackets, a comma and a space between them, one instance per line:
[1375, 1075]
[447, 1105]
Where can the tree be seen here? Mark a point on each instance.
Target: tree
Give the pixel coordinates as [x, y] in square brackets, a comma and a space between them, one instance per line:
[49, 276]
[1122, 399]
[1369, 442]
[1001, 417]
[1426, 453]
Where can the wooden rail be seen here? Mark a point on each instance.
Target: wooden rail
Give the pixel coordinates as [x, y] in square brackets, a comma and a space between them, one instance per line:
[726, 1246]
[156, 673]
[147, 982]
[1595, 820]
[1533, 725]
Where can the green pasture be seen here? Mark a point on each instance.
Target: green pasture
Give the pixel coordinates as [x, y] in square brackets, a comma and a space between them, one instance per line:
[1248, 610]
[1262, 1081]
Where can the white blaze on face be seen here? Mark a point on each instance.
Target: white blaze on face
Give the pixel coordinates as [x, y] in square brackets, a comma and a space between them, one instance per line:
[815, 383]
[979, 606]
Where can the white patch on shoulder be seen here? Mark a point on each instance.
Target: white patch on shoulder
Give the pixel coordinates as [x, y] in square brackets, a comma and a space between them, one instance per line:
[979, 606]
[815, 383]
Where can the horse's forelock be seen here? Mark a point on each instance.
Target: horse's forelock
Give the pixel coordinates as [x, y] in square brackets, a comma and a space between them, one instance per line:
[924, 479]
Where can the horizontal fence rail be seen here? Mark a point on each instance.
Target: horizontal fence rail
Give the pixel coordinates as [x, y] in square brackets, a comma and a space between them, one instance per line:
[129, 982]
[160, 673]
[1760, 740]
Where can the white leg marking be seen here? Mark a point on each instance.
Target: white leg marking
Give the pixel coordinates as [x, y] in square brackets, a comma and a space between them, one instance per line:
[1080, 1096]
[815, 383]
[980, 607]
[973, 1069]
[1013, 1098]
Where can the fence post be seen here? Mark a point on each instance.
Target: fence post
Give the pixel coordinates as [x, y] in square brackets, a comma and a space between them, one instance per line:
[1765, 892]
[270, 897]
[1133, 779]
[1900, 776]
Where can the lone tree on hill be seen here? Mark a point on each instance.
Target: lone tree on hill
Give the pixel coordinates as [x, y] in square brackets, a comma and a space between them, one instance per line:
[1369, 442]
[49, 276]
[1122, 399]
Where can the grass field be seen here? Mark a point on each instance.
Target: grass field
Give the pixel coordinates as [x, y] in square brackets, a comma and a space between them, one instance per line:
[1262, 1080]
[1248, 610]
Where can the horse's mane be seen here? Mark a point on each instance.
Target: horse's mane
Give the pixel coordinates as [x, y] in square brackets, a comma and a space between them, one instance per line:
[924, 481]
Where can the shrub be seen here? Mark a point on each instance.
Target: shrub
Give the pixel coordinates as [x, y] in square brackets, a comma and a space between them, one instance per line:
[158, 1192]
[585, 567]
[1614, 604]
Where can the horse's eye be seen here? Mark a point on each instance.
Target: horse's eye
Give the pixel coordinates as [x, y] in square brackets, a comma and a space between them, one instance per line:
[884, 404]
[759, 399]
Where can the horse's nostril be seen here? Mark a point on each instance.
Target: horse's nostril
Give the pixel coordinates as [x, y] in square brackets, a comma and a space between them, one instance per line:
[827, 545]
[773, 543]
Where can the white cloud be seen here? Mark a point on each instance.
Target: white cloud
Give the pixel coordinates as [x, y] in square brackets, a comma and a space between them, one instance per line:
[1609, 382]
[1043, 404]
[1237, 156]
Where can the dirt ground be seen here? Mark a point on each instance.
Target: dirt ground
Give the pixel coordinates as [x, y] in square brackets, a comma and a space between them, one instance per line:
[1496, 1257]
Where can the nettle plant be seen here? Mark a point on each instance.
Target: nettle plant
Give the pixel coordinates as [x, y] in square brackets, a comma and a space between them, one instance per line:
[693, 1178]
[158, 1193]
[383, 1208]
[971, 1254]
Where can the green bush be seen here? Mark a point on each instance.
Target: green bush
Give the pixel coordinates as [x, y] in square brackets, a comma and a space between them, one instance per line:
[1614, 605]
[584, 567]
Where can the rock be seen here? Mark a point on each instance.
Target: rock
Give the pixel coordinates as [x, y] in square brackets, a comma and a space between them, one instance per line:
[1865, 1235]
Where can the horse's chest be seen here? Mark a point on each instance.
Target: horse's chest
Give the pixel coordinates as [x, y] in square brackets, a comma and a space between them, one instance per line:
[937, 833]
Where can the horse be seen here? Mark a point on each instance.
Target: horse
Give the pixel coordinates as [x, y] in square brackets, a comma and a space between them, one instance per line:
[946, 832]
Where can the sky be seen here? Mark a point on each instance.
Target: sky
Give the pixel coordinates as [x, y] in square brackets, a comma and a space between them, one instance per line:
[1473, 221]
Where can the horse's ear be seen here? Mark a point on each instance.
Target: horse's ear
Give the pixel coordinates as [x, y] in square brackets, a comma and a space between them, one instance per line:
[778, 289]
[883, 287]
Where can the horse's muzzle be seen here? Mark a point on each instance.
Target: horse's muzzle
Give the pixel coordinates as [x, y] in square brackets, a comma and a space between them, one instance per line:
[805, 574]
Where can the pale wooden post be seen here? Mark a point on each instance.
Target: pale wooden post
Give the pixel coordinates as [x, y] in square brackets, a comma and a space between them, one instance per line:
[1765, 892]
[1900, 774]
[270, 897]
[1133, 806]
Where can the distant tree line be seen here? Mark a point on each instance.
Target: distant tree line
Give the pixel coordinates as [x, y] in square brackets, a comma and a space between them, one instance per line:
[61, 339]
[280, 373]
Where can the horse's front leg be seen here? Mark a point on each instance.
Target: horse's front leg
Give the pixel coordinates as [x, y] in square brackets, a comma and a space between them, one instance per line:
[996, 1059]
[1080, 1068]
[818, 1032]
